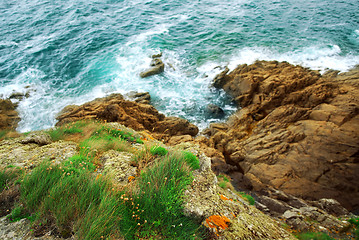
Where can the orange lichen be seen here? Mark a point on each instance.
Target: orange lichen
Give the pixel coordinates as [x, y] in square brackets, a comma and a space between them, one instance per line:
[217, 222]
[225, 198]
[131, 178]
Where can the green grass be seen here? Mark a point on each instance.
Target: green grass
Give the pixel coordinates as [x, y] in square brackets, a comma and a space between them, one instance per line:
[69, 129]
[222, 185]
[248, 197]
[3, 133]
[19, 213]
[8, 176]
[223, 177]
[314, 236]
[355, 223]
[158, 150]
[160, 203]
[72, 197]
[120, 134]
[191, 160]
[75, 199]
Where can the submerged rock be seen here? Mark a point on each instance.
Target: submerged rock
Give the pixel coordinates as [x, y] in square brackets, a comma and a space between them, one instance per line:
[215, 111]
[296, 130]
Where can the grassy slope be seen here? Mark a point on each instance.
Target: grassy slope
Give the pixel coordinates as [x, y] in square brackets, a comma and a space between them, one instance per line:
[73, 197]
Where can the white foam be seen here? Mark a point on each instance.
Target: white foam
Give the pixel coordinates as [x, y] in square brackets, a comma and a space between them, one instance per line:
[315, 57]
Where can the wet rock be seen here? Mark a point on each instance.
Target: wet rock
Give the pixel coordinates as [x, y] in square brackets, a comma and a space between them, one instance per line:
[215, 111]
[19, 96]
[157, 55]
[296, 131]
[144, 97]
[221, 78]
[157, 66]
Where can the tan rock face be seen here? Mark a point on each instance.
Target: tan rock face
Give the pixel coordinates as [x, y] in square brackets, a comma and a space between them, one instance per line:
[131, 114]
[297, 131]
[9, 117]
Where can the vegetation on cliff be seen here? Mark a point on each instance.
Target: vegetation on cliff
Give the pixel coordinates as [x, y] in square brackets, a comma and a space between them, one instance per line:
[74, 197]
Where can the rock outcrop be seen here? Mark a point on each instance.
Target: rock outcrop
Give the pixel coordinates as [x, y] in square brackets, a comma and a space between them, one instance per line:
[138, 116]
[157, 66]
[222, 211]
[9, 117]
[296, 130]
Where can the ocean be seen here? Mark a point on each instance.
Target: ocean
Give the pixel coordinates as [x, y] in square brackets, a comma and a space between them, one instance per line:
[70, 52]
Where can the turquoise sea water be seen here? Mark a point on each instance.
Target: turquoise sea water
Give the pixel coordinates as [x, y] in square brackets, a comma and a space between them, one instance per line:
[70, 52]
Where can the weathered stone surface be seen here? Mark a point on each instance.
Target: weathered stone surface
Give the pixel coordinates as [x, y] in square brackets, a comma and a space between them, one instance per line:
[20, 230]
[221, 78]
[131, 114]
[9, 117]
[118, 166]
[14, 152]
[40, 138]
[302, 215]
[331, 206]
[296, 130]
[204, 199]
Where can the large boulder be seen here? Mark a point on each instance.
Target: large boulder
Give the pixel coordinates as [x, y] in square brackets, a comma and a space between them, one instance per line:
[296, 130]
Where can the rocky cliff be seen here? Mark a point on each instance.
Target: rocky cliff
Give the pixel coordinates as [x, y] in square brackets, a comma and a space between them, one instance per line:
[136, 115]
[296, 130]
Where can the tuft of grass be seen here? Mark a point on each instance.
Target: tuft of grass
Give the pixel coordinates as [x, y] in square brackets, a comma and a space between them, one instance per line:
[223, 177]
[78, 163]
[248, 197]
[158, 150]
[60, 133]
[158, 202]
[3, 133]
[55, 193]
[314, 236]
[8, 176]
[18, 213]
[222, 185]
[223, 181]
[191, 160]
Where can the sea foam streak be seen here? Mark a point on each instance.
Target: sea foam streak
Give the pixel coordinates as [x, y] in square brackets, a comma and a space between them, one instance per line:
[315, 57]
